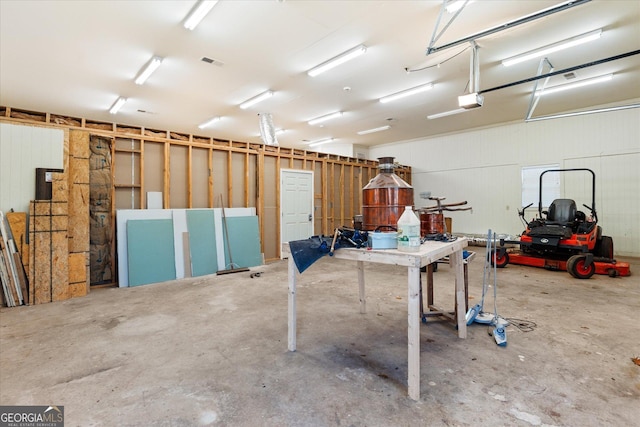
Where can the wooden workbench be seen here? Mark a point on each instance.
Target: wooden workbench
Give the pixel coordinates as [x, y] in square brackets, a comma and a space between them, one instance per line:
[430, 252]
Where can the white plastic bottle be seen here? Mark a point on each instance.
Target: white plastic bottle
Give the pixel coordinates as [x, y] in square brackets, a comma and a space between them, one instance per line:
[408, 231]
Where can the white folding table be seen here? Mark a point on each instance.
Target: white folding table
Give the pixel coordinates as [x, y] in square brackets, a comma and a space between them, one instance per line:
[430, 252]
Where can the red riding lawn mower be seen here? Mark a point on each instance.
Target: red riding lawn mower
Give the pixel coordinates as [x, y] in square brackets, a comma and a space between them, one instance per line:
[563, 238]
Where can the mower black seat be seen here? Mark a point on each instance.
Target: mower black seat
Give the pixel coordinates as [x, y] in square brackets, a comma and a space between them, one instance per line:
[562, 212]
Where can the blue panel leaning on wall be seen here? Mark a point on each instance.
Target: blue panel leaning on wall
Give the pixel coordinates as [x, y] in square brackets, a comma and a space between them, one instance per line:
[151, 254]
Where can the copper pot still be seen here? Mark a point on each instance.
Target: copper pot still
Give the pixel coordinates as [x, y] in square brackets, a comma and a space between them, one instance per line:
[431, 223]
[385, 197]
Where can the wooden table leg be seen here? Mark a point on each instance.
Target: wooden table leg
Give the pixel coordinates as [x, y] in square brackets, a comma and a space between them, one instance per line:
[292, 304]
[414, 333]
[456, 262]
[363, 299]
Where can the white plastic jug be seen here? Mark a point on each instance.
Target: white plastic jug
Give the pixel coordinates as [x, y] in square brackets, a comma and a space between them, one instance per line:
[408, 231]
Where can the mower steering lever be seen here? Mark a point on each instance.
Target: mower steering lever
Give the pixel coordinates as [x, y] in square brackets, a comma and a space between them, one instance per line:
[593, 212]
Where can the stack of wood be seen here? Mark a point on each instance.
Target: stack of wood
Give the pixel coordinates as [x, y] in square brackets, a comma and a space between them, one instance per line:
[14, 255]
[52, 242]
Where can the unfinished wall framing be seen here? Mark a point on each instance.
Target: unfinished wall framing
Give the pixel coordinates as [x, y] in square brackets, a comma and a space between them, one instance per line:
[193, 171]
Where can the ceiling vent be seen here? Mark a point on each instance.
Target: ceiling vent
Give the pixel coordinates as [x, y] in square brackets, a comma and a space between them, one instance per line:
[212, 61]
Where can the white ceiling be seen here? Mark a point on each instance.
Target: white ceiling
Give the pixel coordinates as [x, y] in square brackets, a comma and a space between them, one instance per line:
[76, 57]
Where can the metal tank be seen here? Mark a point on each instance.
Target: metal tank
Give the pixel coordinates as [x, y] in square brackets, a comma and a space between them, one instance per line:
[385, 197]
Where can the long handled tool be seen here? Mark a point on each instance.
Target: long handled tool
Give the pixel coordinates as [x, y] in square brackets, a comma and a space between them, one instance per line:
[230, 267]
[497, 326]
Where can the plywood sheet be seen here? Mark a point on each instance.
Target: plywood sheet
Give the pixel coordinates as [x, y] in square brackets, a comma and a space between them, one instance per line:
[150, 251]
[18, 223]
[202, 242]
[244, 242]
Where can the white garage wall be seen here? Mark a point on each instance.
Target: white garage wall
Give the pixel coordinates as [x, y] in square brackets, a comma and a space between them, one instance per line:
[484, 167]
[22, 150]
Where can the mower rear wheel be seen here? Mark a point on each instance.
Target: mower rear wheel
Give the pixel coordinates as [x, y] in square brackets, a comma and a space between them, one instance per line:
[499, 260]
[577, 267]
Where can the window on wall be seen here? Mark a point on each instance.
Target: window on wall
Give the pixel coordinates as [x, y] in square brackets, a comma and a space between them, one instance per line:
[531, 184]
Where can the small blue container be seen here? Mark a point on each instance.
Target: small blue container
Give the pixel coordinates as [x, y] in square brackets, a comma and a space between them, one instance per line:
[383, 240]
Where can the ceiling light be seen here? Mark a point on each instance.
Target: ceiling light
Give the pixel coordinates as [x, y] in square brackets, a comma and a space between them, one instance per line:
[381, 128]
[581, 113]
[471, 100]
[210, 122]
[117, 105]
[447, 113]
[148, 69]
[320, 142]
[555, 47]
[340, 59]
[248, 103]
[455, 5]
[325, 118]
[580, 83]
[198, 13]
[408, 92]
[280, 131]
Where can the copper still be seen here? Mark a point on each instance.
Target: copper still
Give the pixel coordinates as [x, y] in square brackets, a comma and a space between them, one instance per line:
[385, 197]
[431, 223]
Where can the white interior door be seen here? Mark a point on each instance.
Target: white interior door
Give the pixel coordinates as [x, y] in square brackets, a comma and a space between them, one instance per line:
[296, 205]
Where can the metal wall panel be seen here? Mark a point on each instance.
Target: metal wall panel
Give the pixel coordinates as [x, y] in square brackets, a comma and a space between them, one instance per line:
[22, 150]
[484, 167]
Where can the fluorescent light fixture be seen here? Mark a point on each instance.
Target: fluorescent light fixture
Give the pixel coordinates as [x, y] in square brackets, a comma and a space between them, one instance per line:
[471, 100]
[248, 103]
[210, 122]
[117, 105]
[340, 59]
[455, 5]
[148, 69]
[325, 118]
[408, 92]
[320, 142]
[447, 113]
[381, 128]
[580, 83]
[555, 47]
[582, 113]
[198, 13]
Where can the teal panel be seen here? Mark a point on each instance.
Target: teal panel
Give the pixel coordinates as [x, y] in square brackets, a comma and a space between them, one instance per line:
[244, 239]
[202, 242]
[151, 255]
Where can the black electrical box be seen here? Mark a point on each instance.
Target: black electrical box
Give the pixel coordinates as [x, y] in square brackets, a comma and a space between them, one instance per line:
[43, 182]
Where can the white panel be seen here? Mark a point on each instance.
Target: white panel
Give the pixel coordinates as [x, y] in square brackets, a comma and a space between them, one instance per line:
[22, 150]
[154, 199]
[484, 167]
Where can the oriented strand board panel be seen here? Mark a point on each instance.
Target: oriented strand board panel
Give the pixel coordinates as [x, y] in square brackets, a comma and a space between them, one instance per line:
[244, 241]
[79, 153]
[219, 177]
[153, 165]
[178, 176]
[200, 177]
[150, 250]
[18, 223]
[202, 242]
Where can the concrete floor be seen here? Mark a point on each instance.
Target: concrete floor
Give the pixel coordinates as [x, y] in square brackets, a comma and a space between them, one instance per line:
[213, 351]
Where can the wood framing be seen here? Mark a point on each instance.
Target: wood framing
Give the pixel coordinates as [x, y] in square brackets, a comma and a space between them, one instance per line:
[337, 191]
